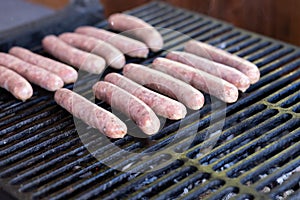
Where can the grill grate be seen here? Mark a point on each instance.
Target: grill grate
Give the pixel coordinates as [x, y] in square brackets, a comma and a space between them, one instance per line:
[257, 155]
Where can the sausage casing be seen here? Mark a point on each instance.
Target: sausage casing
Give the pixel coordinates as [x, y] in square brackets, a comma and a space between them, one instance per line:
[165, 84]
[128, 46]
[95, 116]
[14, 83]
[221, 56]
[199, 79]
[128, 104]
[138, 28]
[160, 104]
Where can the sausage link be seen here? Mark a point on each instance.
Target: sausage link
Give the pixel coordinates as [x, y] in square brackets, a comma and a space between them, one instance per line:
[65, 72]
[138, 28]
[128, 46]
[32, 73]
[15, 84]
[160, 104]
[95, 116]
[221, 56]
[75, 57]
[128, 104]
[113, 56]
[230, 74]
[199, 79]
[165, 84]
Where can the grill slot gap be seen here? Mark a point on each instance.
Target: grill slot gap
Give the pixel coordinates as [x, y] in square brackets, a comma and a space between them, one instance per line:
[206, 189]
[285, 92]
[243, 44]
[184, 187]
[226, 194]
[239, 155]
[278, 75]
[37, 138]
[220, 41]
[115, 181]
[262, 45]
[277, 55]
[243, 139]
[269, 154]
[28, 130]
[267, 51]
[145, 180]
[233, 41]
[292, 100]
[240, 117]
[173, 178]
[253, 176]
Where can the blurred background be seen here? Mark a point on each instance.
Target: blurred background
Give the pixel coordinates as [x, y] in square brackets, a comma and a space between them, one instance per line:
[275, 18]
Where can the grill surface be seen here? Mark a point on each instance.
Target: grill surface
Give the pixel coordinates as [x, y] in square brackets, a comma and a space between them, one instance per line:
[256, 157]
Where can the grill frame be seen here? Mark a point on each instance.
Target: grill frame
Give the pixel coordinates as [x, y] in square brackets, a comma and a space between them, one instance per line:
[274, 82]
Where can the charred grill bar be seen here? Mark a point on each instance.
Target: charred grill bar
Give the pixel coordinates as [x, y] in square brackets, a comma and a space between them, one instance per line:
[256, 157]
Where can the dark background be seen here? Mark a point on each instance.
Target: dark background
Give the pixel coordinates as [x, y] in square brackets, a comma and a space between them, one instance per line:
[275, 18]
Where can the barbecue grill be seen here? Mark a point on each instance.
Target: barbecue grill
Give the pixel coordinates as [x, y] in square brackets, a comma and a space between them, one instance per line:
[256, 156]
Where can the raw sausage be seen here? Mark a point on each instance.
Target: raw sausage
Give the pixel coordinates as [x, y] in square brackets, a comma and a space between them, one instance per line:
[221, 56]
[32, 73]
[15, 84]
[160, 104]
[165, 84]
[199, 79]
[128, 46]
[75, 57]
[113, 56]
[138, 28]
[230, 74]
[65, 72]
[128, 104]
[95, 116]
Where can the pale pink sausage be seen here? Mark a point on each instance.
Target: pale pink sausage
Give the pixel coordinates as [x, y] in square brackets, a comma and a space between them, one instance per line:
[138, 28]
[15, 84]
[95, 116]
[75, 57]
[128, 104]
[113, 56]
[128, 46]
[199, 79]
[165, 84]
[230, 74]
[65, 72]
[221, 56]
[160, 104]
[32, 73]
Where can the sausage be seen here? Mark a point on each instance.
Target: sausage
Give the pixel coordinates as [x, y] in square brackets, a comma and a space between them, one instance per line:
[95, 116]
[165, 84]
[126, 45]
[32, 73]
[113, 56]
[221, 56]
[232, 75]
[138, 29]
[75, 57]
[15, 84]
[65, 72]
[128, 104]
[160, 104]
[199, 79]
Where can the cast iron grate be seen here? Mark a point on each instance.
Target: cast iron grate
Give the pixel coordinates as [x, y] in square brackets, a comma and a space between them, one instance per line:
[257, 155]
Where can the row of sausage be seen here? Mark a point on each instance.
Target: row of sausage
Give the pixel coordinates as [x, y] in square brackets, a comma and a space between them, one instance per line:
[88, 48]
[181, 75]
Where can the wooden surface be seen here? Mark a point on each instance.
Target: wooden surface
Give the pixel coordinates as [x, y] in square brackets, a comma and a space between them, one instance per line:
[275, 18]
